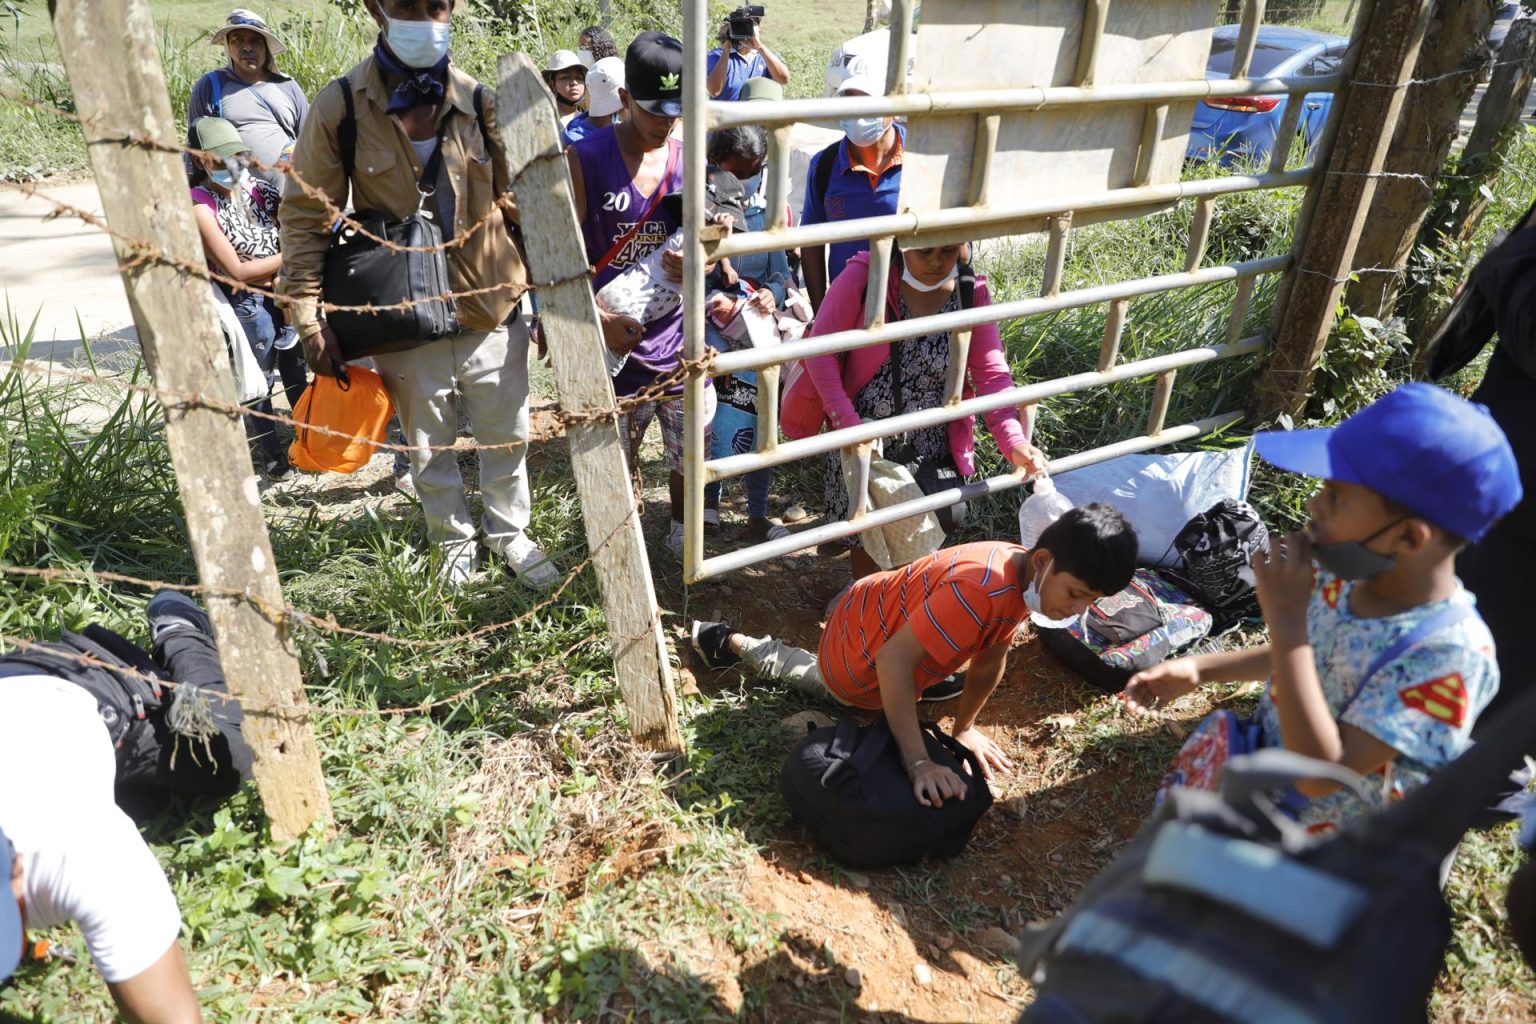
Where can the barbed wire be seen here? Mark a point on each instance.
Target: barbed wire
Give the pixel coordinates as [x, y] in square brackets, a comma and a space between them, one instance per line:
[289, 615]
[660, 390]
[335, 213]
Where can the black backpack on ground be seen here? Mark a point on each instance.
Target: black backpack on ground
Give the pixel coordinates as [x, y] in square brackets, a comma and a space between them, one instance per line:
[1224, 910]
[847, 784]
[125, 699]
[1215, 550]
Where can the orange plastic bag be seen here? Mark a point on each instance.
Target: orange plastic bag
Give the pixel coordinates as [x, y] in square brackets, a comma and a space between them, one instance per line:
[357, 406]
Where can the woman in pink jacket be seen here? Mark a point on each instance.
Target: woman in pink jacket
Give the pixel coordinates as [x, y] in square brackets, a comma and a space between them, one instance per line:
[846, 389]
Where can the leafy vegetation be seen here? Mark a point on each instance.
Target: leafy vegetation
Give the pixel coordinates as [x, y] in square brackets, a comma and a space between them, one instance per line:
[508, 856]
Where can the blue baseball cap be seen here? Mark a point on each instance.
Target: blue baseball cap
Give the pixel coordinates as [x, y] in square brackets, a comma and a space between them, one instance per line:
[1439, 456]
[10, 915]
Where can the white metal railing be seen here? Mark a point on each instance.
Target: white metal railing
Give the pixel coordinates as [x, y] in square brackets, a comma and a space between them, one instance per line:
[970, 221]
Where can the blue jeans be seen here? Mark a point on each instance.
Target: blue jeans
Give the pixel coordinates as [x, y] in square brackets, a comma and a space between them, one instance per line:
[261, 320]
[734, 432]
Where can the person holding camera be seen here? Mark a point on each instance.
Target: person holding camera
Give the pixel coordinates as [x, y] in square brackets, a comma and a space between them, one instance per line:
[741, 56]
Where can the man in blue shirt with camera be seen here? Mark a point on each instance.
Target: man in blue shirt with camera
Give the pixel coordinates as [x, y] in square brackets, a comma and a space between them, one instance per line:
[741, 55]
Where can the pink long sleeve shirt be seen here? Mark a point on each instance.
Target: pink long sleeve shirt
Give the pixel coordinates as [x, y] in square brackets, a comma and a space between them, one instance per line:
[837, 378]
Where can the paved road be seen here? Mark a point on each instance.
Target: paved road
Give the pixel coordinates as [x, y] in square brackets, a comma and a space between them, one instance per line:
[64, 273]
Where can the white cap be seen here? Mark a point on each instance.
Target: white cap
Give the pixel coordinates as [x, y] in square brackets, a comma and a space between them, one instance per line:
[603, 84]
[562, 60]
[864, 77]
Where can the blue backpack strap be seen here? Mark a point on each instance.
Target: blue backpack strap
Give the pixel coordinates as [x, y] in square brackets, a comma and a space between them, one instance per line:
[218, 92]
[1443, 619]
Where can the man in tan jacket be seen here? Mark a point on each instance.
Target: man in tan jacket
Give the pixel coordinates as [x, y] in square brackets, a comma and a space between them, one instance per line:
[403, 94]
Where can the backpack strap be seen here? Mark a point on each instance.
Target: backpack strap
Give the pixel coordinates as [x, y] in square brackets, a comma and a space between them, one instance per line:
[485, 131]
[1446, 617]
[346, 129]
[823, 177]
[217, 86]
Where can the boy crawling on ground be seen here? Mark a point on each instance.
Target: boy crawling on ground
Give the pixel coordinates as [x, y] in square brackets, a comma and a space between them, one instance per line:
[1377, 660]
[892, 636]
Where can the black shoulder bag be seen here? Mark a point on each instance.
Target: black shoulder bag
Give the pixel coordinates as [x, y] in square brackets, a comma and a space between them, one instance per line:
[933, 473]
[409, 289]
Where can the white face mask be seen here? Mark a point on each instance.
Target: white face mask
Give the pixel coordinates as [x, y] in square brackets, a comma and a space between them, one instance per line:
[1036, 611]
[585, 56]
[916, 285]
[863, 131]
[418, 44]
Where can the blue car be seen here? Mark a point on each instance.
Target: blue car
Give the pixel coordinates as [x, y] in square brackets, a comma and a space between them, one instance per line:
[1233, 128]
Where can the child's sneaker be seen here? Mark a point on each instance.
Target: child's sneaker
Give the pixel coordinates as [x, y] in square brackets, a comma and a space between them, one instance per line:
[712, 640]
[675, 539]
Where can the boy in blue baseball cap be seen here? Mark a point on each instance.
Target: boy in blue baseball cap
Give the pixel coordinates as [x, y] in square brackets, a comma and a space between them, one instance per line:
[1377, 659]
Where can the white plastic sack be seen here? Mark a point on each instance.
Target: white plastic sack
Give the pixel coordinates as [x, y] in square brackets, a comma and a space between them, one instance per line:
[906, 540]
[1158, 494]
[250, 383]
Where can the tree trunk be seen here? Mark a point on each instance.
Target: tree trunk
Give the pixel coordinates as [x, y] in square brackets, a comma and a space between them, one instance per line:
[1499, 111]
[871, 15]
[1454, 49]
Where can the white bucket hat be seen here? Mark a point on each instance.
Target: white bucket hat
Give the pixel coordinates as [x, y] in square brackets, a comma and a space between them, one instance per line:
[603, 84]
[563, 60]
[250, 21]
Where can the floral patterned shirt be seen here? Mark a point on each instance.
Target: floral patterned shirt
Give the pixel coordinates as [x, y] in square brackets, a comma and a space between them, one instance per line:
[1423, 703]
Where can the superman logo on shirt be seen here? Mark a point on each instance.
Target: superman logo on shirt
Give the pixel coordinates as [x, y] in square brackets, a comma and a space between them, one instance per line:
[1443, 699]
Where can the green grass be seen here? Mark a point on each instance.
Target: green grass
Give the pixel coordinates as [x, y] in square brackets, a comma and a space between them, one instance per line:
[510, 855]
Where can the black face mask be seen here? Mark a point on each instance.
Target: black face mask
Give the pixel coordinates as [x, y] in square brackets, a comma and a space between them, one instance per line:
[1352, 560]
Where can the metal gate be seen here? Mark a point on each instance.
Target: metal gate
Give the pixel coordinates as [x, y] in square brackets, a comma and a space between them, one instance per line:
[962, 141]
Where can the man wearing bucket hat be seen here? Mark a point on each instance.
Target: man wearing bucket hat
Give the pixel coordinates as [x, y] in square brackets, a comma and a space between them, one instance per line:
[265, 106]
[566, 77]
[604, 107]
[1377, 658]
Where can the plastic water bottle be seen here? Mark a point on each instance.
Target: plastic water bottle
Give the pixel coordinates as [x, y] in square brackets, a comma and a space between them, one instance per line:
[1043, 507]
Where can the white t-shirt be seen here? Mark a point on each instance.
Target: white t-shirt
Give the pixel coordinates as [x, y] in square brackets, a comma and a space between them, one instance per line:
[82, 858]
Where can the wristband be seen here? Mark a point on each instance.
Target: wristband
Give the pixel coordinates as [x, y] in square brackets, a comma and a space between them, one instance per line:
[914, 765]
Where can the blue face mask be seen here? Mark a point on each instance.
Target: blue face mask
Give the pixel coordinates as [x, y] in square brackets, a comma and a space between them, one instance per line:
[222, 178]
[863, 131]
[418, 44]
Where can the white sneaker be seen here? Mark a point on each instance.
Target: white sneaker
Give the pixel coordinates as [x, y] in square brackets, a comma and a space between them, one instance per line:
[675, 539]
[531, 566]
[457, 568]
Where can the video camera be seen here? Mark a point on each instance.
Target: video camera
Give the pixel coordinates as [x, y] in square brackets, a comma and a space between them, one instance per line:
[743, 20]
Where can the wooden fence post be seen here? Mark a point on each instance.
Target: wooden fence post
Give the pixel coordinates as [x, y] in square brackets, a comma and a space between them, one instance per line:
[109, 51]
[1367, 109]
[557, 262]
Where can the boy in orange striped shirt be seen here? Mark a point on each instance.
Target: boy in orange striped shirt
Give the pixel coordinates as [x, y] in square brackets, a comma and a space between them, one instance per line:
[893, 636]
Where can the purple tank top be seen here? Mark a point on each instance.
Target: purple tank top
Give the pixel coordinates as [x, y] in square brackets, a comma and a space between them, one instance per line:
[613, 204]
